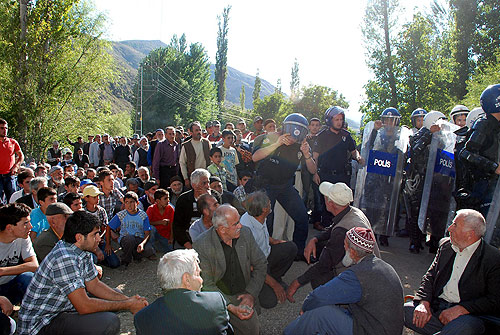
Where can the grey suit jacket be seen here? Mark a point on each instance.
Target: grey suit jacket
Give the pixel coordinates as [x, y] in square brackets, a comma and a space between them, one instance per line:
[213, 262]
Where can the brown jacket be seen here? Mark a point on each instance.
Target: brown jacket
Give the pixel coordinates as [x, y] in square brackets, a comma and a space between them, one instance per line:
[191, 155]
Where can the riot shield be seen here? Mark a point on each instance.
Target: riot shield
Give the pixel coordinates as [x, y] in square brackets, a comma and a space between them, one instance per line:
[492, 235]
[437, 206]
[379, 181]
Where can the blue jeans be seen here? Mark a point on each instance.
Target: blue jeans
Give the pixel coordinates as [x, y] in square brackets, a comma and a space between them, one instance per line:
[463, 325]
[164, 245]
[290, 200]
[112, 260]
[7, 186]
[15, 289]
[331, 320]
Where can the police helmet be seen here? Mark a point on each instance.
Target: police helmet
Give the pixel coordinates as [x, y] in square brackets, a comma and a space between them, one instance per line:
[296, 125]
[391, 112]
[474, 114]
[431, 118]
[331, 113]
[416, 113]
[458, 110]
[490, 99]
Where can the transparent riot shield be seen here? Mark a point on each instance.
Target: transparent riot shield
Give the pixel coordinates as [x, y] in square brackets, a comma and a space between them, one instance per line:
[437, 206]
[492, 235]
[379, 181]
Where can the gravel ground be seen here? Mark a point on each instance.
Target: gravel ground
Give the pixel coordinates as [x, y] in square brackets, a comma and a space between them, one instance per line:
[140, 278]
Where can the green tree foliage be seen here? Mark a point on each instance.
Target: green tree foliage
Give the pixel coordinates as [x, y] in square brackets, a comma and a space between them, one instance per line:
[278, 88]
[487, 76]
[465, 12]
[315, 100]
[378, 31]
[221, 56]
[487, 33]
[54, 72]
[256, 88]
[242, 97]
[295, 81]
[274, 106]
[425, 76]
[177, 85]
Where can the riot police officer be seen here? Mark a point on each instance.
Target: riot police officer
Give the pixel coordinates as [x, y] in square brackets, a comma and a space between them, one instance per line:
[279, 156]
[333, 151]
[481, 154]
[458, 115]
[417, 119]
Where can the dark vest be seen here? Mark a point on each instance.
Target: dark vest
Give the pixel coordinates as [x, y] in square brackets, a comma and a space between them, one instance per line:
[380, 310]
[143, 157]
[191, 155]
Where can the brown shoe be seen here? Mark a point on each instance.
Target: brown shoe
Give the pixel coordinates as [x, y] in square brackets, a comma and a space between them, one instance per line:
[318, 226]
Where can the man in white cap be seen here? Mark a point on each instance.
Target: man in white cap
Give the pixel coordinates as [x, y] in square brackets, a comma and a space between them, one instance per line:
[370, 288]
[329, 244]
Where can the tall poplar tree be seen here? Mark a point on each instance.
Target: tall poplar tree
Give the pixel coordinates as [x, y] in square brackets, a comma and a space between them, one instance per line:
[221, 56]
[256, 88]
[295, 82]
[242, 98]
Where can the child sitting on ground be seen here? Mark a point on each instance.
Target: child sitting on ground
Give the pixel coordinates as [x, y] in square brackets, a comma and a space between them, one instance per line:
[161, 215]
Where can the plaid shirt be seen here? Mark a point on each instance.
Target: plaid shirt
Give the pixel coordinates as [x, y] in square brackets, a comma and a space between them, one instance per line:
[65, 269]
[110, 203]
[101, 215]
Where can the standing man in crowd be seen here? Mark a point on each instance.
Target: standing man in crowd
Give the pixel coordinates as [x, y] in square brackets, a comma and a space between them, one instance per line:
[106, 151]
[11, 158]
[166, 158]
[58, 300]
[258, 124]
[94, 151]
[195, 153]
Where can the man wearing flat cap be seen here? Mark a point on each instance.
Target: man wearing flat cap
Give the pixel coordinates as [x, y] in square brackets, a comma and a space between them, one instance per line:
[57, 214]
[329, 244]
[369, 287]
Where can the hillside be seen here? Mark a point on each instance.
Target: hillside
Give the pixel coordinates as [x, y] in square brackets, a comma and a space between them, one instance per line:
[128, 55]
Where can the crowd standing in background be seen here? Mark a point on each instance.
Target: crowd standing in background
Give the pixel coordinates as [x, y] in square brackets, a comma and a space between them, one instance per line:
[243, 200]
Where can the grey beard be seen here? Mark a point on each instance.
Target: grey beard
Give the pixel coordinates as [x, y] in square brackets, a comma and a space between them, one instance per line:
[347, 261]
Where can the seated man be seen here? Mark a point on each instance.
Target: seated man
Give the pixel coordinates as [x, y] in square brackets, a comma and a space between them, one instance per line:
[280, 254]
[225, 197]
[57, 301]
[233, 264]
[73, 201]
[17, 257]
[106, 257]
[31, 199]
[134, 231]
[57, 214]
[369, 287]
[148, 199]
[461, 289]
[132, 185]
[45, 196]
[328, 245]
[183, 309]
[207, 204]
[161, 216]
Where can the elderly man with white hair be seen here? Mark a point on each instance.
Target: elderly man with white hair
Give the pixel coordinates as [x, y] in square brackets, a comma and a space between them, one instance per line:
[460, 293]
[364, 299]
[183, 309]
[186, 208]
[233, 264]
[329, 244]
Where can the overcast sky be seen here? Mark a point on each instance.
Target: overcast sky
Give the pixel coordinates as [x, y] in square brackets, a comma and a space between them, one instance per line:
[324, 35]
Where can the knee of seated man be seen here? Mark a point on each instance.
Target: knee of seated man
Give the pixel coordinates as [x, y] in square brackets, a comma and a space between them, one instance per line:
[110, 324]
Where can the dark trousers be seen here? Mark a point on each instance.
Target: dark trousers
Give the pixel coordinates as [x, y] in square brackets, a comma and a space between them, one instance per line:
[463, 325]
[280, 259]
[15, 289]
[166, 173]
[102, 323]
[129, 245]
[290, 200]
[7, 186]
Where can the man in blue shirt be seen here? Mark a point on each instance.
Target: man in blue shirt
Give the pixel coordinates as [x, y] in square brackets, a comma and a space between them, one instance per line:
[370, 288]
[134, 231]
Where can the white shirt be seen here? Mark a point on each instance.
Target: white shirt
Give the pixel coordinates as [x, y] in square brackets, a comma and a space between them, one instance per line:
[16, 195]
[259, 232]
[200, 161]
[462, 258]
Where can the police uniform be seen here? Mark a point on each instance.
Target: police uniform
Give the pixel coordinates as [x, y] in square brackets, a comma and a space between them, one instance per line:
[276, 174]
